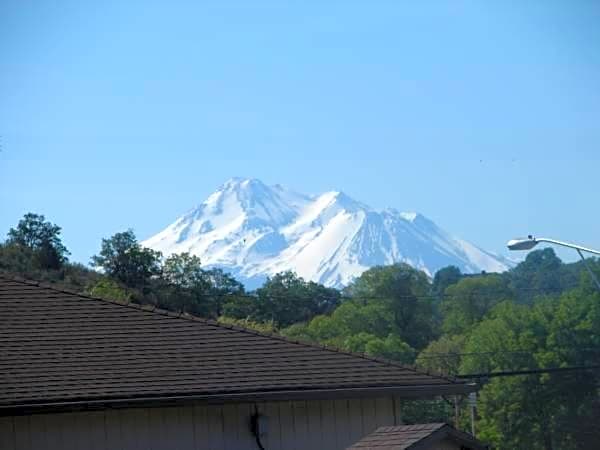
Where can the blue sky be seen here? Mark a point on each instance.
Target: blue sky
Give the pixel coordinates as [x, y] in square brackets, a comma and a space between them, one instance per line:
[484, 116]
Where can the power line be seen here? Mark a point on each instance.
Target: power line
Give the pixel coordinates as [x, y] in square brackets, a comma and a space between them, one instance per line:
[506, 293]
[499, 294]
[496, 352]
[527, 372]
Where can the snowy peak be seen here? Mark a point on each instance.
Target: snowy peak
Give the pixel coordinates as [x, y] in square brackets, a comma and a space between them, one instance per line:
[255, 230]
[255, 200]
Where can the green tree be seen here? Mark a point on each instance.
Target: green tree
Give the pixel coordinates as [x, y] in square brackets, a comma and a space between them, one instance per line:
[349, 319]
[545, 411]
[541, 273]
[186, 286]
[17, 259]
[285, 299]
[262, 327]
[354, 326]
[579, 271]
[444, 278]
[405, 293]
[442, 356]
[391, 347]
[389, 315]
[224, 289]
[184, 271]
[122, 258]
[223, 283]
[468, 301]
[183, 285]
[40, 242]
[110, 289]
[241, 308]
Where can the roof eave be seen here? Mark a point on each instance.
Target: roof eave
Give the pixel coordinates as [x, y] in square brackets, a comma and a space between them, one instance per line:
[421, 391]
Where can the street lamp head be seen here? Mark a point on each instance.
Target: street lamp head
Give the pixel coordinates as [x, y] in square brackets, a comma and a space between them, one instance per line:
[522, 244]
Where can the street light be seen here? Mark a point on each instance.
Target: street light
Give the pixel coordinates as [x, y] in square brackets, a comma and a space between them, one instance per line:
[530, 242]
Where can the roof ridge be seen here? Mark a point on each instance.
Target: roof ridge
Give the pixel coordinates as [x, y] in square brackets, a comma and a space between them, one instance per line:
[194, 318]
[431, 425]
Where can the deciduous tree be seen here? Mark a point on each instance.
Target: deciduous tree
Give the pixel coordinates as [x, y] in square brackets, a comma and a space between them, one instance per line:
[121, 257]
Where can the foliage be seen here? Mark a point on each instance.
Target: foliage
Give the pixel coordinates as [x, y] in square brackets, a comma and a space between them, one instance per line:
[262, 327]
[543, 411]
[468, 301]
[442, 356]
[107, 288]
[580, 272]
[427, 411]
[122, 258]
[542, 272]
[404, 293]
[390, 347]
[184, 271]
[17, 259]
[389, 315]
[285, 299]
[444, 278]
[34, 249]
[185, 286]
[349, 319]
[357, 328]
[241, 308]
[40, 242]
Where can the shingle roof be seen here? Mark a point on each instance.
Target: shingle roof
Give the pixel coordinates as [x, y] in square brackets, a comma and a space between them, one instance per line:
[415, 437]
[61, 348]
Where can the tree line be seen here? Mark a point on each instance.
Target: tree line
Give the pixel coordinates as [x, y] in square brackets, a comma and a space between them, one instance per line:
[542, 313]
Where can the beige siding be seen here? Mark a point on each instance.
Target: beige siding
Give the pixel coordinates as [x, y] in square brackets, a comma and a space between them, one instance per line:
[314, 425]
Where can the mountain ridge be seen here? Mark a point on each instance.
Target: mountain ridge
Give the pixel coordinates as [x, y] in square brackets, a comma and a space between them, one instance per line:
[254, 231]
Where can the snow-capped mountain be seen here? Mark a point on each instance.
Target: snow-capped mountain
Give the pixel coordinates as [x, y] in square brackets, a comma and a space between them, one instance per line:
[254, 230]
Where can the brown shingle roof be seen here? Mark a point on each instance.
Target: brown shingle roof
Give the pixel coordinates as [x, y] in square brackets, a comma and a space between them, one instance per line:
[59, 348]
[415, 437]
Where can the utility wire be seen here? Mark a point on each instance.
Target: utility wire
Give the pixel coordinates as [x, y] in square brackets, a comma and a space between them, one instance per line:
[527, 372]
[496, 352]
[383, 297]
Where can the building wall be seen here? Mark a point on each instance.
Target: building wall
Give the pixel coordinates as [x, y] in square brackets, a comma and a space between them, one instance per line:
[292, 425]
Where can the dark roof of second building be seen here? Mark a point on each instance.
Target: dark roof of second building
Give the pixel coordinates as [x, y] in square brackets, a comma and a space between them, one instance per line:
[415, 437]
[61, 348]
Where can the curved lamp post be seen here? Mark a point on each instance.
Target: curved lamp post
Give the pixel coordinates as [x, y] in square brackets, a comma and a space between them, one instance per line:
[530, 242]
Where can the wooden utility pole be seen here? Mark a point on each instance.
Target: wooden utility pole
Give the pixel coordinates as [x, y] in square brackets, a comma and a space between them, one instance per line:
[456, 412]
[472, 405]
